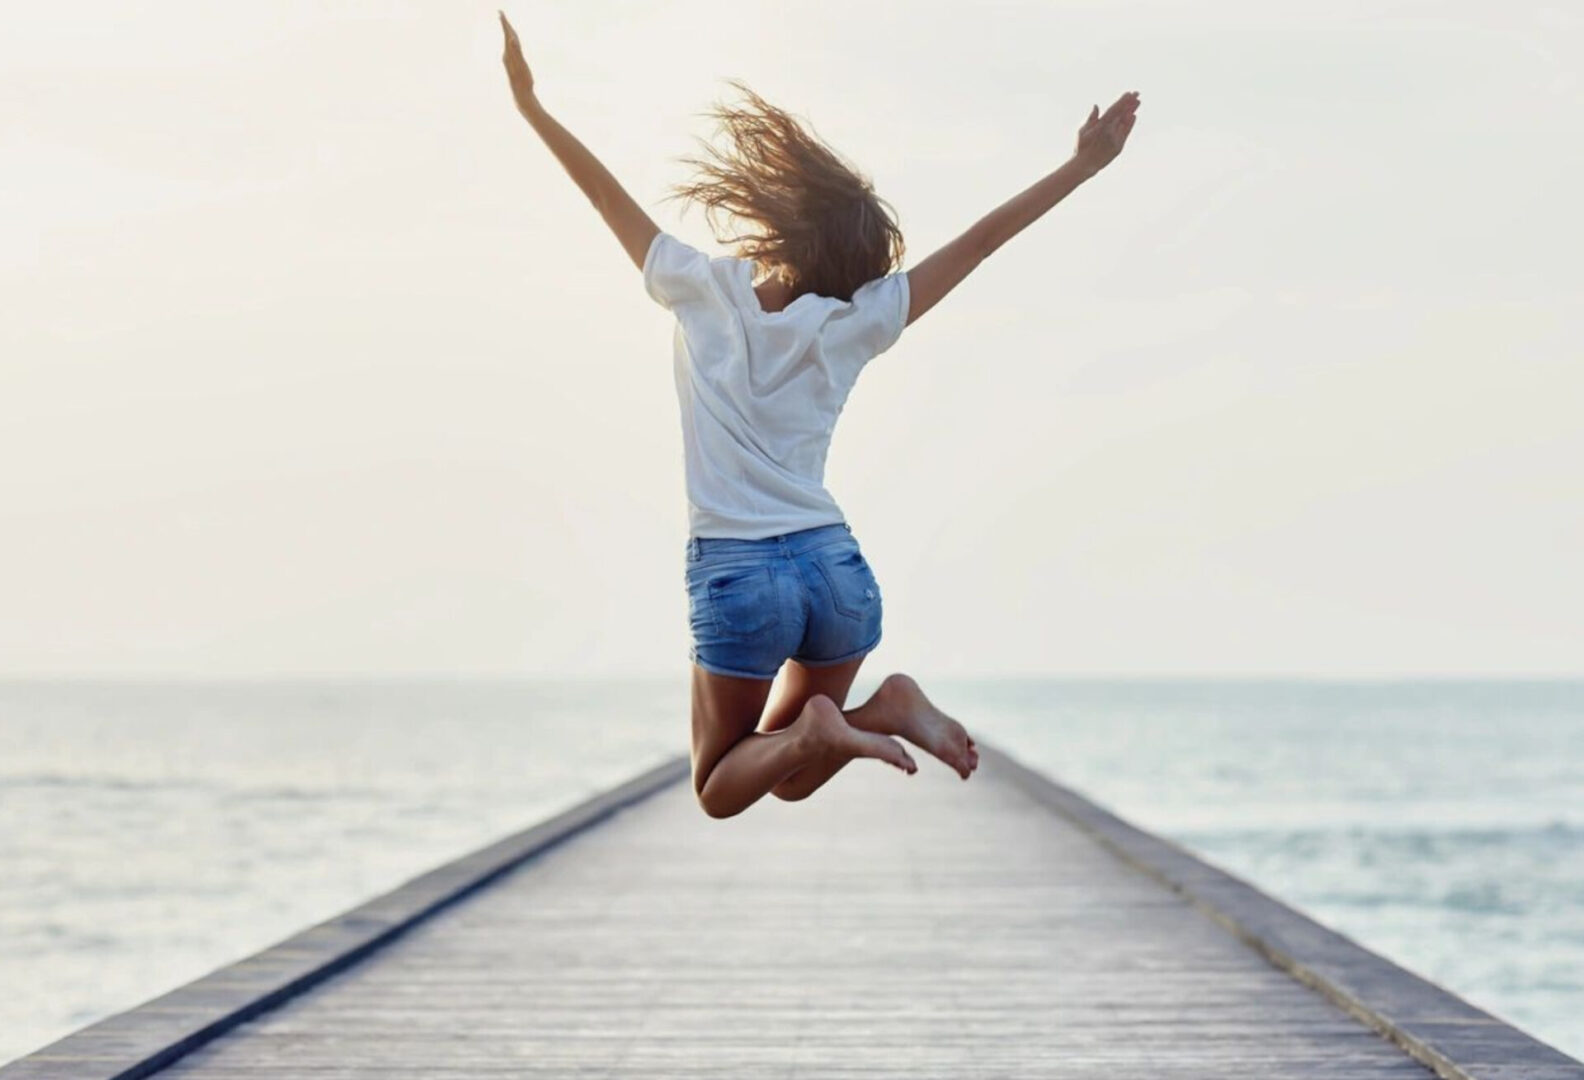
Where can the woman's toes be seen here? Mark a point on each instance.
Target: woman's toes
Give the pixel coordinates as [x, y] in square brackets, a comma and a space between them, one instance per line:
[886, 749]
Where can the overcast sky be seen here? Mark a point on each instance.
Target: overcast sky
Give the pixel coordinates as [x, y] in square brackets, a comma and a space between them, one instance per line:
[312, 360]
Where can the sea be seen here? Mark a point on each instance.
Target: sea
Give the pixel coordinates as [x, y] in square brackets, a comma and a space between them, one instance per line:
[152, 831]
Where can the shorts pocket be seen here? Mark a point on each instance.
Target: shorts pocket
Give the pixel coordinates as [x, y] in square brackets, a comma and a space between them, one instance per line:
[743, 601]
[854, 591]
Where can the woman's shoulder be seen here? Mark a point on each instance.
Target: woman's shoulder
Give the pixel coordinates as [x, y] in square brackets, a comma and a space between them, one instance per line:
[675, 271]
[871, 322]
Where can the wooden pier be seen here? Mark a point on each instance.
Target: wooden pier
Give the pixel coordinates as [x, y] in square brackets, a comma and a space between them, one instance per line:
[889, 926]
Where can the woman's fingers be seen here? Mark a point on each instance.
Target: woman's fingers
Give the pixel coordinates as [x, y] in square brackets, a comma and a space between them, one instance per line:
[1126, 111]
[1124, 105]
[1123, 127]
[511, 34]
[522, 80]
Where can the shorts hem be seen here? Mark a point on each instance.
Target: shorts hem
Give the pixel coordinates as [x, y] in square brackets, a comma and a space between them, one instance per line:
[855, 654]
[716, 669]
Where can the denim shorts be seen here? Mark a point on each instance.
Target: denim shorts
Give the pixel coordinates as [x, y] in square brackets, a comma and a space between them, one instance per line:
[752, 604]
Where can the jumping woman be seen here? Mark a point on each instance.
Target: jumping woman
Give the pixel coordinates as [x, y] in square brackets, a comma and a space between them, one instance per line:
[768, 345]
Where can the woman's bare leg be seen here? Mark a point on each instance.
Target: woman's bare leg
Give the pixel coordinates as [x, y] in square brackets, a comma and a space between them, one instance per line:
[800, 683]
[898, 707]
[735, 766]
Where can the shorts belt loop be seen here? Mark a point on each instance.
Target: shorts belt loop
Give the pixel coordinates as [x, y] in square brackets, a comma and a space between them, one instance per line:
[693, 548]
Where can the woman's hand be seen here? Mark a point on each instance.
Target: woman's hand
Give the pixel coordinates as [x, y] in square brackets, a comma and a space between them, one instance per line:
[1101, 138]
[522, 83]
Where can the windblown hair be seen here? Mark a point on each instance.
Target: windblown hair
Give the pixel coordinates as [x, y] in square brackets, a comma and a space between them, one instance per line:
[789, 202]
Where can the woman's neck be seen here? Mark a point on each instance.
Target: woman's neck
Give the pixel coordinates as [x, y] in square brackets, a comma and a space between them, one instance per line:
[774, 294]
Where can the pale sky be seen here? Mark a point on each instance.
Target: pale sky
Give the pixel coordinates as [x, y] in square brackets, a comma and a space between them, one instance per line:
[314, 361]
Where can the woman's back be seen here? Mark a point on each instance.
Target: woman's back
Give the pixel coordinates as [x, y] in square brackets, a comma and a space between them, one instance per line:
[760, 392]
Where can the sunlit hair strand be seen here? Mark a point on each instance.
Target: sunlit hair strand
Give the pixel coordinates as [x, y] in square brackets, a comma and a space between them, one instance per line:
[784, 199]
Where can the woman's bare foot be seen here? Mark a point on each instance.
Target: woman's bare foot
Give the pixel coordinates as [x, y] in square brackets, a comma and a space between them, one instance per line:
[914, 717]
[827, 732]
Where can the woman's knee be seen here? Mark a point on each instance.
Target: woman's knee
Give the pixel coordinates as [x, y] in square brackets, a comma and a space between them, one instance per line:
[714, 808]
[709, 798]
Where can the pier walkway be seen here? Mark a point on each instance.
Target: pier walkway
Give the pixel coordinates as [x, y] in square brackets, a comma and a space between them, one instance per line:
[890, 926]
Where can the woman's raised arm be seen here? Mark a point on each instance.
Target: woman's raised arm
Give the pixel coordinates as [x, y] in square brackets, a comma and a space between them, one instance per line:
[1100, 140]
[631, 224]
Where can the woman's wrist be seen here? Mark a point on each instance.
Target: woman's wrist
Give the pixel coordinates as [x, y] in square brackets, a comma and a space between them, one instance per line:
[1080, 168]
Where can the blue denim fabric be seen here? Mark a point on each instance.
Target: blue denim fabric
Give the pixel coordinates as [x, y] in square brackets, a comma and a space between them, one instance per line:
[752, 604]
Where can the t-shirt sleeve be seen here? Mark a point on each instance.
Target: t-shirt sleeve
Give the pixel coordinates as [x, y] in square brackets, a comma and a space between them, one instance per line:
[674, 272]
[875, 320]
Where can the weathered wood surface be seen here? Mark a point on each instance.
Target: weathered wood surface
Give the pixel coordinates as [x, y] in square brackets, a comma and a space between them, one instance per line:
[137, 1043]
[889, 926]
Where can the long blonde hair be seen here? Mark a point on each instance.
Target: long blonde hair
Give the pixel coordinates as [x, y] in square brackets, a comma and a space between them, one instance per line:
[789, 202]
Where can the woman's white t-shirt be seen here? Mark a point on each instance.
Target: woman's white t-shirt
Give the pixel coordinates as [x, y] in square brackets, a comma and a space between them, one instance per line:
[760, 391]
